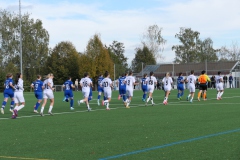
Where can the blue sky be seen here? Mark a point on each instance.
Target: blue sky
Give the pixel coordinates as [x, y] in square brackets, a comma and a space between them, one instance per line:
[126, 20]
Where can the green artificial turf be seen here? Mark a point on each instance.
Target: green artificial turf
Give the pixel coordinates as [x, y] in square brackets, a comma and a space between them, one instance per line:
[83, 135]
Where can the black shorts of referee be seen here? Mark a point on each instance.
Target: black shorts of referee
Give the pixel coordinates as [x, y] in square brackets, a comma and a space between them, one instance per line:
[202, 86]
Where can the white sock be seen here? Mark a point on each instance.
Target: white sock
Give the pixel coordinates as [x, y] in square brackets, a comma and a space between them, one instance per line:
[81, 101]
[189, 95]
[106, 101]
[20, 107]
[221, 93]
[16, 107]
[107, 105]
[165, 99]
[152, 100]
[50, 109]
[42, 109]
[148, 99]
[88, 106]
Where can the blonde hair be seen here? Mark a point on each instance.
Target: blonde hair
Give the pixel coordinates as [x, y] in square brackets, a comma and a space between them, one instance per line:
[167, 74]
[50, 75]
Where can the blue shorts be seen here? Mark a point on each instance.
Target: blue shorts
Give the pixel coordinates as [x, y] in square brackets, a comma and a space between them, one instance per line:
[181, 88]
[90, 93]
[100, 89]
[39, 95]
[122, 91]
[68, 94]
[144, 90]
[8, 94]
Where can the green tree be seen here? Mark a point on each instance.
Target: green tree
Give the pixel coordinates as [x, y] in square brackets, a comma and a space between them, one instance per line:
[116, 51]
[63, 62]
[142, 55]
[192, 49]
[154, 40]
[35, 40]
[97, 58]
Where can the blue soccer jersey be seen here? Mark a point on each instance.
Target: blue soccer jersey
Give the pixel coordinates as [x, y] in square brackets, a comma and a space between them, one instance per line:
[100, 89]
[8, 90]
[37, 86]
[180, 83]
[144, 84]
[122, 85]
[68, 89]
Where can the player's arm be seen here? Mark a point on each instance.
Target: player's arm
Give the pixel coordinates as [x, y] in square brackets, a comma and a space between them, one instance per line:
[72, 86]
[49, 85]
[11, 85]
[32, 85]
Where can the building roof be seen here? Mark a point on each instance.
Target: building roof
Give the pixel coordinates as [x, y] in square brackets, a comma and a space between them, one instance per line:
[211, 68]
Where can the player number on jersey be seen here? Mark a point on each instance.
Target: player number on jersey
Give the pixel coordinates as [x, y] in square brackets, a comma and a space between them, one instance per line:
[105, 84]
[151, 82]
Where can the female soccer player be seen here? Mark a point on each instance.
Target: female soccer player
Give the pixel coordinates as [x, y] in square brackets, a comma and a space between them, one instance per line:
[130, 81]
[38, 91]
[191, 79]
[68, 93]
[144, 87]
[8, 92]
[48, 94]
[18, 95]
[107, 88]
[85, 84]
[219, 86]
[151, 81]
[100, 89]
[122, 87]
[180, 87]
[167, 81]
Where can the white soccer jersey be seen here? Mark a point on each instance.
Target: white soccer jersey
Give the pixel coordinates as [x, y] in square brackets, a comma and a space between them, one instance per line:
[45, 84]
[151, 81]
[191, 80]
[86, 82]
[218, 79]
[130, 80]
[19, 86]
[167, 81]
[106, 83]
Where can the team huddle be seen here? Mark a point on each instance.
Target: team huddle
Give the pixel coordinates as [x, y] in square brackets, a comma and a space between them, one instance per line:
[44, 90]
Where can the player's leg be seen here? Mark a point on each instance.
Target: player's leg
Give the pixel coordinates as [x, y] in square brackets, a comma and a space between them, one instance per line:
[51, 97]
[45, 97]
[39, 96]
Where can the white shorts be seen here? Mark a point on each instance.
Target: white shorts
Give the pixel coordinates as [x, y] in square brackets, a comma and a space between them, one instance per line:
[108, 94]
[150, 89]
[129, 92]
[85, 93]
[18, 97]
[219, 87]
[48, 95]
[191, 89]
[167, 88]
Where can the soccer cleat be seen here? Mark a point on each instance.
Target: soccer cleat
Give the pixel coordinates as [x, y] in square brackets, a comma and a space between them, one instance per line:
[127, 107]
[165, 102]
[187, 98]
[11, 110]
[64, 99]
[14, 117]
[41, 114]
[198, 99]
[102, 102]
[143, 100]
[35, 111]
[153, 104]
[50, 113]
[178, 99]
[89, 109]
[79, 102]
[15, 112]
[71, 108]
[191, 101]
[107, 109]
[119, 97]
[98, 102]
[2, 110]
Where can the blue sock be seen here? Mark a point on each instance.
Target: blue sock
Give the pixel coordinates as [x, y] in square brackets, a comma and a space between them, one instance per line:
[12, 105]
[178, 95]
[37, 105]
[124, 97]
[4, 104]
[144, 96]
[89, 99]
[71, 102]
[182, 93]
[99, 96]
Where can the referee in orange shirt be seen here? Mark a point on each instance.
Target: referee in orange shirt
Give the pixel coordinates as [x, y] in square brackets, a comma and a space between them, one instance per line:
[203, 80]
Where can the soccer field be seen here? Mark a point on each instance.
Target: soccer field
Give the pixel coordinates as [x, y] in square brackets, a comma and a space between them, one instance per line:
[178, 131]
